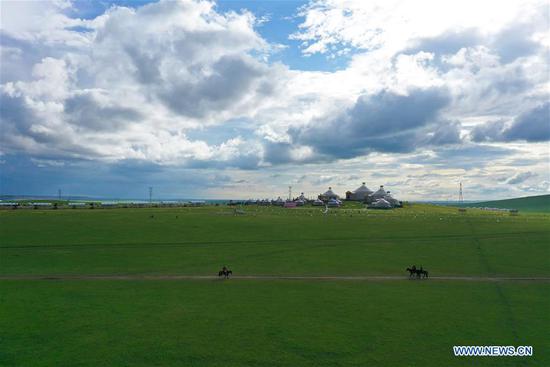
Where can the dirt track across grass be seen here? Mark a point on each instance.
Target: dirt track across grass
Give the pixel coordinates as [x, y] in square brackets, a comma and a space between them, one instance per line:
[271, 277]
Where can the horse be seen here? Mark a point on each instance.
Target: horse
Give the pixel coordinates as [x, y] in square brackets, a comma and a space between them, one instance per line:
[225, 273]
[419, 273]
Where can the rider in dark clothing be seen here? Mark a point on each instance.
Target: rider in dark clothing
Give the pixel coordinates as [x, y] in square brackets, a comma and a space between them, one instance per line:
[414, 268]
[224, 269]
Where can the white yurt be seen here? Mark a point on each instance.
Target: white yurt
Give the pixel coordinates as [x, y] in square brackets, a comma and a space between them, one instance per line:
[380, 193]
[381, 204]
[393, 201]
[279, 201]
[359, 194]
[329, 194]
[318, 202]
[334, 203]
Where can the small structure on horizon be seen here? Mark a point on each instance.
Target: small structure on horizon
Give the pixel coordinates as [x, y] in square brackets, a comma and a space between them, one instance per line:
[359, 194]
[334, 203]
[327, 195]
[318, 202]
[380, 204]
[382, 199]
[278, 202]
[290, 204]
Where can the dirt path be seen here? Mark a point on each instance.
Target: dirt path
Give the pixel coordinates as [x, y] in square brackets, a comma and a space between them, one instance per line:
[268, 277]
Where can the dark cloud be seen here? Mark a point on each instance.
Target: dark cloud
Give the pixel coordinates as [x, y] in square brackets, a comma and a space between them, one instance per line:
[230, 79]
[488, 131]
[17, 120]
[531, 126]
[520, 177]
[277, 153]
[515, 41]
[14, 114]
[510, 43]
[22, 129]
[462, 156]
[85, 111]
[244, 161]
[385, 122]
[445, 133]
[123, 179]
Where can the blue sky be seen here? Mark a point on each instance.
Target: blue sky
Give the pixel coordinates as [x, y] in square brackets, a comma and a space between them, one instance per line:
[239, 99]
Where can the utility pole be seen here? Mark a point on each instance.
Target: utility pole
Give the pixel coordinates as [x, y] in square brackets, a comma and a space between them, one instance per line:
[460, 196]
[150, 195]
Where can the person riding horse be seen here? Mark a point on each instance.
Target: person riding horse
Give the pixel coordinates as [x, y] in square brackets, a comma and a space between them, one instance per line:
[419, 273]
[225, 272]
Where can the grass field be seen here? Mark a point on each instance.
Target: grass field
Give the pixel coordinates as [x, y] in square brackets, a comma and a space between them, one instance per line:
[540, 203]
[274, 322]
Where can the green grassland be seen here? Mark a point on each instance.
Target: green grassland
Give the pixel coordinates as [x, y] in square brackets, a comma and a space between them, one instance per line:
[540, 203]
[271, 322]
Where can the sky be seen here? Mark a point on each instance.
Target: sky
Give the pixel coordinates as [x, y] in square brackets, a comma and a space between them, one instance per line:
[241, 99]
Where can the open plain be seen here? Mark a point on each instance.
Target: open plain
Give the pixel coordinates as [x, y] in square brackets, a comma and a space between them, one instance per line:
[139, 287]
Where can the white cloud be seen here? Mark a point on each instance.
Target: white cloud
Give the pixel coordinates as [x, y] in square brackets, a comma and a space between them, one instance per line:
[138, 80]
[135, 84]
[396, 24]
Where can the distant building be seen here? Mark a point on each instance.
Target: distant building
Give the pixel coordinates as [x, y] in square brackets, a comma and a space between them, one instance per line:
[318, 202]
[379, 194]
[380, 199]
[334, 203]
[278, 202]
[394, 202]
[327, 195]
[360, 194]
[380, 204]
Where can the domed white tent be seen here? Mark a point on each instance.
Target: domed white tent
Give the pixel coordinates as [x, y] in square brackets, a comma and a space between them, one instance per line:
[393, 201]
[380, 193]
[318, 202]
[334, 203]
[359, 194]
[279, 202]
[380, 204]
[327, 195]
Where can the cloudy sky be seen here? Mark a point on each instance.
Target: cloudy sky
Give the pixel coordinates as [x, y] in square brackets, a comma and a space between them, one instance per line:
[234, 99]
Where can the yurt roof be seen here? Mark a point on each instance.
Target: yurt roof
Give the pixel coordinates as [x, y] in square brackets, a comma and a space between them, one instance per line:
[329, 192]
[380, 192]
[382, 203]
[362, 188]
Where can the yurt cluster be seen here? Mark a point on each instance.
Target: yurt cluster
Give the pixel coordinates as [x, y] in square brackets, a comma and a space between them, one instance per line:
[380, 199]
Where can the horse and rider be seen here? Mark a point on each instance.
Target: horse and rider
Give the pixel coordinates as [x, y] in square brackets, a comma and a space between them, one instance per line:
[225, 272]
[417, 273]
